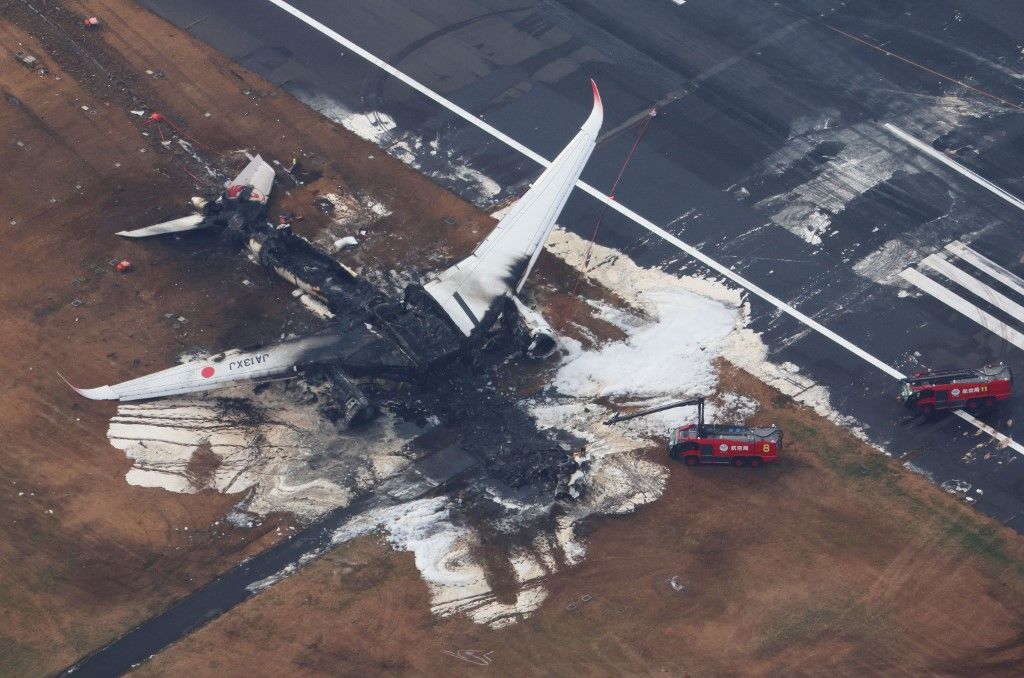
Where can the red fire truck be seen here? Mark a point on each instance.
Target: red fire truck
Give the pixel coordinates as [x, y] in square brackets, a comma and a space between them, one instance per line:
[702, 443]
[970, 389]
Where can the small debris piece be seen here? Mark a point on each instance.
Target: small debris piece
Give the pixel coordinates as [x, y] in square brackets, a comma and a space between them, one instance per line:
[345, 243]
[138, 113]
[91, 22]
[26, 59]
[674, 583]
[84, 107]
[123, 266]
[247, 282]
[324, 205]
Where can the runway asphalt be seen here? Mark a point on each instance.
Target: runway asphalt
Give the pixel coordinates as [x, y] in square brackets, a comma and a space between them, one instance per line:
[768, 154]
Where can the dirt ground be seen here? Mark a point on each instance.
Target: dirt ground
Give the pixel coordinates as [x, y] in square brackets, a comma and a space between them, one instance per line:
[83, 555]
[835, 561]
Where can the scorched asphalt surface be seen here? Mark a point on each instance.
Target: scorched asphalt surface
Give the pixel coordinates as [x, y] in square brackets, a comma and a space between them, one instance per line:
[767, 153]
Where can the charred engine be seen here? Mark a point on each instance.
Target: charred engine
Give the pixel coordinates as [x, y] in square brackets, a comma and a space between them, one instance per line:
[339, 398]
[530, 331]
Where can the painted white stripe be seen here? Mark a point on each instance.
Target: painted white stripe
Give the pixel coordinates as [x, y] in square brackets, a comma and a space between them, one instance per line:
[982, 426]
[975, 286]
[949, 162]
[987, 265]
[587, 188]
[955, 301]
[618, 207]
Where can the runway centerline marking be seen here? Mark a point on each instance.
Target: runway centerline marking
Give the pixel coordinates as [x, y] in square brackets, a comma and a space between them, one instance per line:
[625, 211]
[949, 162]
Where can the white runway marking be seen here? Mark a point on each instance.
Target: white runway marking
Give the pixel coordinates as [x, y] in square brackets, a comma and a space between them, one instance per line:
[949, 162]
[623, 210]
[975, 286]
[955, 301]
[987, 265]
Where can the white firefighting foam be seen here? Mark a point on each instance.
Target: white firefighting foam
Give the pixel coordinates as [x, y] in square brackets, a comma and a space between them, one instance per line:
[277, 449]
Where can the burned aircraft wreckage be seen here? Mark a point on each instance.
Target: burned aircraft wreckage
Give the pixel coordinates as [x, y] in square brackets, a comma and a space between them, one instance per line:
[371, 336]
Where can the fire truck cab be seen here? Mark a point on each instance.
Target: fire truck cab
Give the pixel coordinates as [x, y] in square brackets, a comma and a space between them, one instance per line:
[736, 445]
[970, 389]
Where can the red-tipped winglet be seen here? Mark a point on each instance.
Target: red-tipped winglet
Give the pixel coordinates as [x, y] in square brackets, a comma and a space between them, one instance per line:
[592, 125]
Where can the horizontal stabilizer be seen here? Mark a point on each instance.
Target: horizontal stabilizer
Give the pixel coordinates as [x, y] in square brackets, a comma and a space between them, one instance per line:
[258, 173]
[190, 223]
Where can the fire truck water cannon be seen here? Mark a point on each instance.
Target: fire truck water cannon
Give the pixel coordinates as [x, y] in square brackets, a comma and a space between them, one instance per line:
[971, 389]
[702, 443]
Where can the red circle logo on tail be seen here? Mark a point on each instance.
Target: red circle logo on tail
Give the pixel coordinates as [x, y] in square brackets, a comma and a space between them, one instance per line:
[207, 372]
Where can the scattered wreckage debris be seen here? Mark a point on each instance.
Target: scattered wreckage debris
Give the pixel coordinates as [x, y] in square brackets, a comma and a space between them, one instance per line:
[26, 59]
[702, 443]
[961, 490]
[442, 332]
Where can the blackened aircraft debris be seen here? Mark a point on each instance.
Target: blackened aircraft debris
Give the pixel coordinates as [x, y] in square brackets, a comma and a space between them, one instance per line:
[369, 334]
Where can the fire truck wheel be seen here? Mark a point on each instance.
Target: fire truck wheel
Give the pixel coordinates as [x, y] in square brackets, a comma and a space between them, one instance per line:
[926, 409]
[672, 453]
[755, 462]
[972, 405]
[990, 401]
[691, 460]
[737, 461]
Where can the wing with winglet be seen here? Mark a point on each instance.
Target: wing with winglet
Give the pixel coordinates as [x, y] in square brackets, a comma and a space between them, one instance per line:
[501, 263]
[219, 371]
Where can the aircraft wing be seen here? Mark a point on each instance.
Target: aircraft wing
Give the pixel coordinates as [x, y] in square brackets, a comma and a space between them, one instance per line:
[502, 262]
[218, 371]
[190, 223]
[258, 173]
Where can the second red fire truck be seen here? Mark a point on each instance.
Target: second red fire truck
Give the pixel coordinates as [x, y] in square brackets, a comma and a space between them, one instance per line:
[969, 389]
